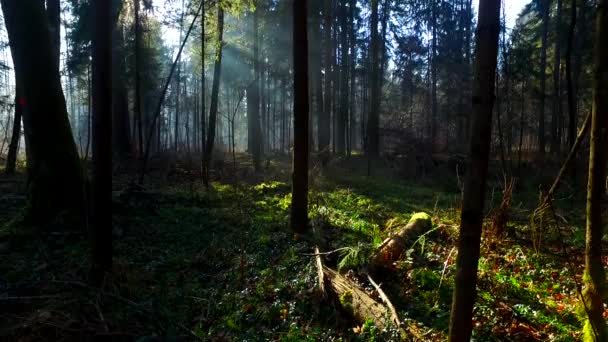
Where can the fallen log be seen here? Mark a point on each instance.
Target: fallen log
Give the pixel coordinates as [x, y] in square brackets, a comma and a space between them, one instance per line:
[391, 248]
[356, 301]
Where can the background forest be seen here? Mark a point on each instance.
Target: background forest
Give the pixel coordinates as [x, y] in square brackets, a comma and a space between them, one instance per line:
[303, 170]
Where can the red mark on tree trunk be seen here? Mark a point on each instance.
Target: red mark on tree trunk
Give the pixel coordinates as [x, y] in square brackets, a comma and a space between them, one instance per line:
[22, 101]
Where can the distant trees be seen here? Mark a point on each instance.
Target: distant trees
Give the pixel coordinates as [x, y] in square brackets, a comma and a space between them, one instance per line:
[595, 276]
[471, 217]
[55, 177]
[299, 197]
[373, 118]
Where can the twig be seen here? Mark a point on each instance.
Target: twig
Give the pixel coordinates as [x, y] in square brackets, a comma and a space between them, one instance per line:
[391, 309]
[445, 266]
[317, 253]
[29, 297]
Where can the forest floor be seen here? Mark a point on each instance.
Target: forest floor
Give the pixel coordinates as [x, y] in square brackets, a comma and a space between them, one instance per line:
[222, 265]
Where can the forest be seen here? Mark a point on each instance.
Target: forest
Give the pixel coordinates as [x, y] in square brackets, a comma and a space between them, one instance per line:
[303, 170]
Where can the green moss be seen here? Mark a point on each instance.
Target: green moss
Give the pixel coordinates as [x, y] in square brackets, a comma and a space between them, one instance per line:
[422, 216]
[346, 299]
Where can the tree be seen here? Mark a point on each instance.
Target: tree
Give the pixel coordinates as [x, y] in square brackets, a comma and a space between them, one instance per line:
[55, 177]
[253, 100]
[101, 194]
[13, 147]
[53, 12]
[299, 197]
[544, 8]
[324, 116]
[471, 216]
[595, 276]
[121, 139]
[556, 112]
[217, 71]
[373, 120]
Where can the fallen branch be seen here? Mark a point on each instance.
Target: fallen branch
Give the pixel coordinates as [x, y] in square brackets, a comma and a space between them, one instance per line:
[317, 253]
[391, 308]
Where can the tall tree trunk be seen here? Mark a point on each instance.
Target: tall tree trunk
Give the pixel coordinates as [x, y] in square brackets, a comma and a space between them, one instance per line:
[217, 71]
[299, 198]
[344, 91]
[137, 105]
[569, 83]
[545, 6]
[373, 120]
[203, 89]
[101, 199]
[434, 74]
[595, 276]
[556, 113]
[254, 92]
[55, 177]
[475, 182]
[324, 119]
[53, 13]
[121, 141]
[13, 147]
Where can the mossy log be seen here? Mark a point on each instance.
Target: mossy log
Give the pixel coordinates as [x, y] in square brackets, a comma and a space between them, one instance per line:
[391, 248]
[354, 300]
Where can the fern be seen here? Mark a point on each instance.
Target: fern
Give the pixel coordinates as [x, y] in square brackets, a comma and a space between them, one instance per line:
[354, 257]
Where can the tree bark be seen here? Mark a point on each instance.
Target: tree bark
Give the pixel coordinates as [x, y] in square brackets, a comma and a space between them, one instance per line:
[13, 147]
[595, 276]
[556, 113]
[475, 182]
[101, 204]
[55, 177]
[299, 197]
[217, 71]
[569, 83]
[53, 13]
[545, 6]
[373, 120]
[121, 139]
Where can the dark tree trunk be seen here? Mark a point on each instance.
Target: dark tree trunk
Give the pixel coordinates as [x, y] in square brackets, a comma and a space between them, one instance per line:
[101, 199]
[324, 117]
[217, 71]
[475, 182]
[595, 275]
[121, 140]
[53, 13]
[138, 113]
[373, 120]
[299, 198]
[434, 75]
[569, 82]
[545, 6]
[556, 112]
[344, 91]
[255, 129]
[55, 177]
[203, 88]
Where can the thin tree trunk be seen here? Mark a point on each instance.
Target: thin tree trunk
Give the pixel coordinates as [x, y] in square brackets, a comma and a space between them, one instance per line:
[595, 275]
[217, 70]
[475, 181]
[13, 147]
[373, 120]
[556, 113]
[545, 6]
[299, 201]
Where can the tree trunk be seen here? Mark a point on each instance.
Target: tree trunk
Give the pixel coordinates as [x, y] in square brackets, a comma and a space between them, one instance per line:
[570, 86]
[556, 113]
[373, 120]
[53, 13]
[434, 75]
[299, 198]
[595, 277]
[137, 105]
[203, 89]
[255, 129]
[217, 70]
[545, 6]
[13, 147]
[121, 140]
[344, 91]
[101, 199]
[475, 181]
[55, 178]
[324, 118]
